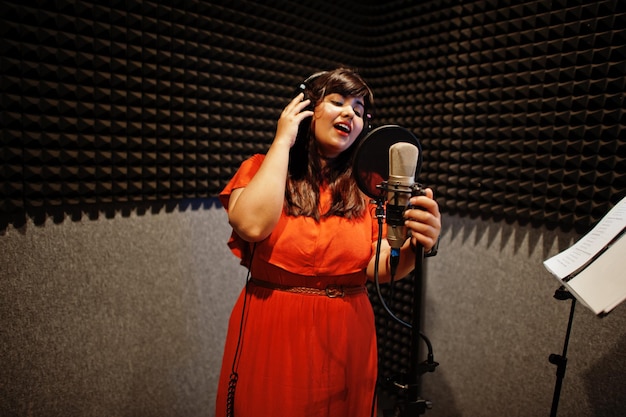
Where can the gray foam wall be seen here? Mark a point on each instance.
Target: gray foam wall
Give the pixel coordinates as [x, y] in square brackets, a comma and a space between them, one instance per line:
[127, 315]
[121, 316]
[493, 321]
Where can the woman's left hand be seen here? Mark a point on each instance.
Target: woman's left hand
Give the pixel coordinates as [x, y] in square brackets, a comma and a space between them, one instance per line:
[424, 221]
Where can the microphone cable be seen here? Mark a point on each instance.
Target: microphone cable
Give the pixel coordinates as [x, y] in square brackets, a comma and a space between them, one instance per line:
[380, 214]
[234, 376]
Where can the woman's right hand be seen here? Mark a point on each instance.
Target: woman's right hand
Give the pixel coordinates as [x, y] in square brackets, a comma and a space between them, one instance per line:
[255, 209]
[290, 119]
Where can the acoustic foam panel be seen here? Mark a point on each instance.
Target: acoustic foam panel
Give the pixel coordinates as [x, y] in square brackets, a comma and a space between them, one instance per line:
[146, 102]
[519, 106]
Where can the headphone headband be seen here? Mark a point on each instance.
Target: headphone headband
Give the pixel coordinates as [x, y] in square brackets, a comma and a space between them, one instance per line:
[367, 118]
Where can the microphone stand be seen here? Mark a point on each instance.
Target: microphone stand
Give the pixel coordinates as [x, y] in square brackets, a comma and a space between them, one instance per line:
[414, 404]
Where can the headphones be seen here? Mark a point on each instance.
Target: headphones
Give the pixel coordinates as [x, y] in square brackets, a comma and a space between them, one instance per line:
[305, 85]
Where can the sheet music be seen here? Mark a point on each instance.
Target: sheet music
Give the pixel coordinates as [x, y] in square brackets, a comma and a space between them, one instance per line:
[602, 285]
[572, 260]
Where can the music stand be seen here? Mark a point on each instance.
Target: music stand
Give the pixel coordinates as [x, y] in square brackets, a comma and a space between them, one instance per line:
[591, 271]
[561, 360]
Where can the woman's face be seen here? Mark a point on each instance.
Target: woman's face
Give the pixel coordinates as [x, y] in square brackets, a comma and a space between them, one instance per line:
[337, 122]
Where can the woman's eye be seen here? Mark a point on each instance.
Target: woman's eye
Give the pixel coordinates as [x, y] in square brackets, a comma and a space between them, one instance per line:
[358, 111]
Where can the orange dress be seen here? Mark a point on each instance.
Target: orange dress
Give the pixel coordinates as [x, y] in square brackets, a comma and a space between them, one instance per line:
[299, 354]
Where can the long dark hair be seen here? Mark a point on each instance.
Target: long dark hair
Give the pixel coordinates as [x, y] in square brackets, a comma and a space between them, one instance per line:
[306, 170]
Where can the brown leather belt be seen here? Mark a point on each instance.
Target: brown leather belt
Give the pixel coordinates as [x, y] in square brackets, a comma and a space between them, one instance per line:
[331, 291]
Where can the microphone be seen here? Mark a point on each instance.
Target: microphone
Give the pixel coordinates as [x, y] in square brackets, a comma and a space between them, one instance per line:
[403, 158]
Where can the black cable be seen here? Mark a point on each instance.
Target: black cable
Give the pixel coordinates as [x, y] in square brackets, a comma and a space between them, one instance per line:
[234, 376]
[380, 215]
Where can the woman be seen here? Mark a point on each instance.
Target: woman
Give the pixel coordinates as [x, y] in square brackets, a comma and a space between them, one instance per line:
[302, 341]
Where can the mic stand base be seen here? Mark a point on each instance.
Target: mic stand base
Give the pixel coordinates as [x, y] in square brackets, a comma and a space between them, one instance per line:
[415, 406]
[418, 407]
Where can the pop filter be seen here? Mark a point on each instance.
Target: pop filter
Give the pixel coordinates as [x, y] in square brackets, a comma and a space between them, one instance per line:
[371, 159]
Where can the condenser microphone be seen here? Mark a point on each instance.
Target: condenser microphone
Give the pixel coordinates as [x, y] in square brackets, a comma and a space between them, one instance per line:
[403, 158]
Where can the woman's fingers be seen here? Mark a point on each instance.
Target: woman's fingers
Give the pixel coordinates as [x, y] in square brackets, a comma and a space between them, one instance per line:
[424, 221]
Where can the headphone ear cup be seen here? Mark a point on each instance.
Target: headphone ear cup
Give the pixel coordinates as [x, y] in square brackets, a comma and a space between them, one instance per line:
[302, 88]
[367, 124]
[304, 85]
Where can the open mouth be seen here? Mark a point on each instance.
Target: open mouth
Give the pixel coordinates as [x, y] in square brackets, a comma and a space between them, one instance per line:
[343, 127]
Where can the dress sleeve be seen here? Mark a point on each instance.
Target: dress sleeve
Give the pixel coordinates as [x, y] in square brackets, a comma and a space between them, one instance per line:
[242, 177]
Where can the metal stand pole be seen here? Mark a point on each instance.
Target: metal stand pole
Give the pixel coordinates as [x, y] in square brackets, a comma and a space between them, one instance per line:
[413, 404]
[561, 360]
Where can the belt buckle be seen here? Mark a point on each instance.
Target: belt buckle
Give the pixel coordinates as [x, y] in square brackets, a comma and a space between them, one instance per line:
[334, 292]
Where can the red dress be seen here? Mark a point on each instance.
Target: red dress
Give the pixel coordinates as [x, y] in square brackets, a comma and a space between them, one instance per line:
[302, 355]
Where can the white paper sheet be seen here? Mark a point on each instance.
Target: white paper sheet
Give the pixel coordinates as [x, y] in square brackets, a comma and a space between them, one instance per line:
[594, 268]
[576, 257]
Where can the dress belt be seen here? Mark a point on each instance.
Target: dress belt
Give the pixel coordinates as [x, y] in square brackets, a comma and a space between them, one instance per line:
[331, 291]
